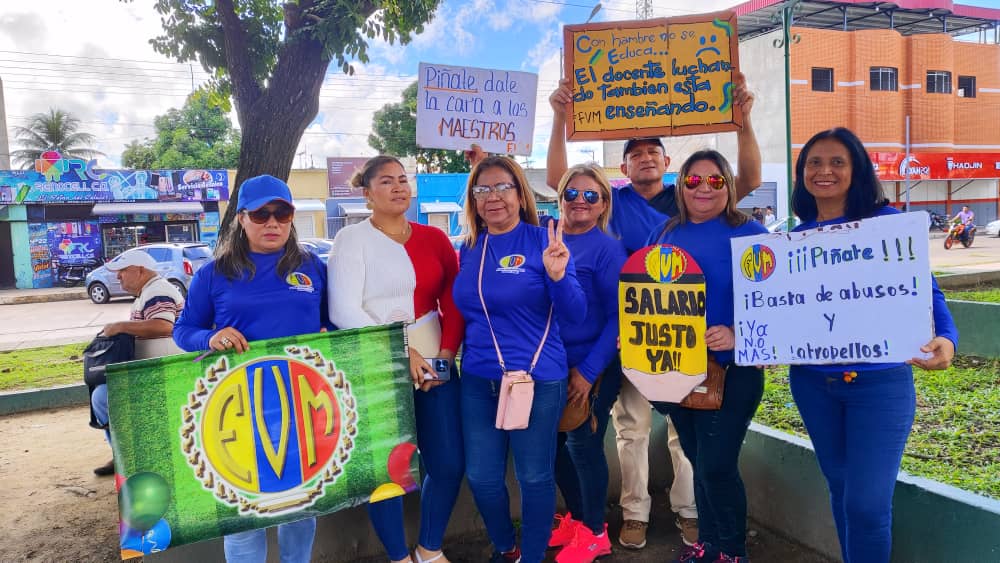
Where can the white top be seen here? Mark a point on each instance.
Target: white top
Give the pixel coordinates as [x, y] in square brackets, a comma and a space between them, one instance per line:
[370, 278]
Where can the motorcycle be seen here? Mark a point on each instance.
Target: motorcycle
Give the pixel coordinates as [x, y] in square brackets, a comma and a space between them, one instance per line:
[939, 222]
[961, 233]
[72, 274]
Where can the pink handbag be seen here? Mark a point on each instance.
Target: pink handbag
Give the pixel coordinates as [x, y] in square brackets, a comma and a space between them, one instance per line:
[517, 388]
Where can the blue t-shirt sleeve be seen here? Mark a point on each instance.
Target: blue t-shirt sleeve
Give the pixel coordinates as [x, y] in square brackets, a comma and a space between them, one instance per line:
[610, 264]
[567, 294]
[195, 326]
[944, 324]
[657, 235]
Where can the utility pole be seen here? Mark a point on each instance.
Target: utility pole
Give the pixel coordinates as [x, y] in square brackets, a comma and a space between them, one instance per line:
[4, 145]
[643, 9]
[787, 38]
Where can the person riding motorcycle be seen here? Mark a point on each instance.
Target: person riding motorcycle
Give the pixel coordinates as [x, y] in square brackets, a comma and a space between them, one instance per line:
[966, 218]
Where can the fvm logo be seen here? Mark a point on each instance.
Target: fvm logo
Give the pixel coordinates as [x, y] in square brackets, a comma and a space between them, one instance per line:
[270, 434]
[665, 263]
[757, 263]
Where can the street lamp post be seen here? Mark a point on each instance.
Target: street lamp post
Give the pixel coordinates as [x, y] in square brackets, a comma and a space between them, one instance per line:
[787, 38]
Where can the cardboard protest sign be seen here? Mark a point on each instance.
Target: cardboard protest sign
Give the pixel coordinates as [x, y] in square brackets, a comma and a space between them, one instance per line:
[656, 77]
[458, 106]
[661, 297]
[294, 428]
[858, 292]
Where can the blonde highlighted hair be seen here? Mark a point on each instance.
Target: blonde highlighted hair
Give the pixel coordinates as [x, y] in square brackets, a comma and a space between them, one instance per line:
[474, 223]
[596, 173]
[734, 217]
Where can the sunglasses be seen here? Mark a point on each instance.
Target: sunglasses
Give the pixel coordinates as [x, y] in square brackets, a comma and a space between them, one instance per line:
[714, 181]
[590, 196]
[282, 214]
[482, 192]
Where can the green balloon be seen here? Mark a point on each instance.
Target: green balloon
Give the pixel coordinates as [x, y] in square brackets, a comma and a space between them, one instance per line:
[143, 500]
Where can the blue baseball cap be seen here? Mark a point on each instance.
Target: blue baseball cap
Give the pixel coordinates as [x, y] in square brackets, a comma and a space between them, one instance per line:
[259, 191]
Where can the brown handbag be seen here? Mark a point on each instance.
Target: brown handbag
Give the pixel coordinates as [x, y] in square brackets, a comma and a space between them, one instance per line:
[575, 414]
[708, 395]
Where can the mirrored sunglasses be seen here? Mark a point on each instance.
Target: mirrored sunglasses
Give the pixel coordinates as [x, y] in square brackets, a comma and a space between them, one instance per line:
[714, 181]
[590, 196]
[282, 214]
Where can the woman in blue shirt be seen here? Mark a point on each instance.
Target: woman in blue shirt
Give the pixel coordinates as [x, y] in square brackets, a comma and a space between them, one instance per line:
[523, 279]
[858, 415]
[261, 285]
[591, 350]
[708, 219]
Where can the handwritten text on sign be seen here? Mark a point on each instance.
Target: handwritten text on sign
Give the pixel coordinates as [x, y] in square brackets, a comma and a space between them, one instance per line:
[657, 75]
[859, 292]
[459, 106]
[661, 294]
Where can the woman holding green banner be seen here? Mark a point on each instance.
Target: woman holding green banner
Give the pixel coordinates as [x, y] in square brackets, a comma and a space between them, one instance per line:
[514, 281]
[858, 415]
[388, 269]
[260, 263]
[712, 439]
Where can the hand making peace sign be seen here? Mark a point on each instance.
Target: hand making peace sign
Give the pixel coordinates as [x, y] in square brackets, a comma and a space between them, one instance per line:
[556, 255]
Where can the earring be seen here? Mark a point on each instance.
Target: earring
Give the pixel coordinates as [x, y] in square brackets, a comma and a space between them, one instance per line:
[369, 205]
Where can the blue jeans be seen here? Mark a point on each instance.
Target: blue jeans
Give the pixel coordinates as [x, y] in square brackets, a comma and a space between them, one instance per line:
[859, 431]
[581, 467]
[439, 437]
[712, 441]
[534, 450]
[295, 541]
[99, 402]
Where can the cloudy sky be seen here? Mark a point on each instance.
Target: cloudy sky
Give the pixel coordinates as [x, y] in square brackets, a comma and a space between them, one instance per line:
[93, 59]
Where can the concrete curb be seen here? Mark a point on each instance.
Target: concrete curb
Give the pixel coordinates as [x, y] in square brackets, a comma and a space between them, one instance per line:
[47, 297]
[965, 281]
[14, 402]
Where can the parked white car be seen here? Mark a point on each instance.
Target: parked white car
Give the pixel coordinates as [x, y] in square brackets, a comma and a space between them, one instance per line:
[993, 229]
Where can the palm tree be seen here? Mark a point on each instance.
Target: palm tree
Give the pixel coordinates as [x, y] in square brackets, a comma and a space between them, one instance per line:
[53, 131]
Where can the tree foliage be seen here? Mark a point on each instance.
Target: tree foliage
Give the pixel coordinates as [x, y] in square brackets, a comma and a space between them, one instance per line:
[394, 131]
[199, 135]
[272, 58]
[56, 130]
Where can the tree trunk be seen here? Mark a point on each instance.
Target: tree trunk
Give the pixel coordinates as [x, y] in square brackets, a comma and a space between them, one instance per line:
[272, 123]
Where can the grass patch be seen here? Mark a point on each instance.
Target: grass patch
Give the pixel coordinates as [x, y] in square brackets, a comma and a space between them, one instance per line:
[41, 367]
[956, 434]
[985, 295]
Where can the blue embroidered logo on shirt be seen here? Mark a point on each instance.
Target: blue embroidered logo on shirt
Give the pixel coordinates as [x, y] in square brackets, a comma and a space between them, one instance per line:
[511, 264]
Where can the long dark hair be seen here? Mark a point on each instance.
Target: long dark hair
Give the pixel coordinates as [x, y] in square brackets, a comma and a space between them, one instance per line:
[733, 216]
[865, 195]
[232, 256]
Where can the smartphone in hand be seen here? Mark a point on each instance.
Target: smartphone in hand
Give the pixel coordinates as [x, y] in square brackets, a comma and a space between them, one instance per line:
[442, 369]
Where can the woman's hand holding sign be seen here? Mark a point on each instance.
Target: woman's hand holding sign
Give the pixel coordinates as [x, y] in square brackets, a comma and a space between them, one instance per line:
[556, 255]
[942, 351]
[719, 338]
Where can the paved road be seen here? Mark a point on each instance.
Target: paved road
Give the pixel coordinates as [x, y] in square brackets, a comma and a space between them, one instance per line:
[62, 322]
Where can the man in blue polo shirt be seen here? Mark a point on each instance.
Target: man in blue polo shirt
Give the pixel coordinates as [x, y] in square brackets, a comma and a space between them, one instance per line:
[637, 209]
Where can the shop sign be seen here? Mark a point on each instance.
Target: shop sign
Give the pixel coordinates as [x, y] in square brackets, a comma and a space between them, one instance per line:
[936, 166]
[67, 180]
[338, 173]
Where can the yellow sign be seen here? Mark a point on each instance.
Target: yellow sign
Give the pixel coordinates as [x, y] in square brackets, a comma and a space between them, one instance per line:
[661, 296]
[659, 77]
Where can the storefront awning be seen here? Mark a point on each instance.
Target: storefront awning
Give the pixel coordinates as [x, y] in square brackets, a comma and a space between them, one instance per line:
[309, 205]
[354, 209]
[440, 207]
[148, 207]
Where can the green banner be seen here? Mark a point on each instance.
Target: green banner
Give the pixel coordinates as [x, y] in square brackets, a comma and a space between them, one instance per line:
[295, 427]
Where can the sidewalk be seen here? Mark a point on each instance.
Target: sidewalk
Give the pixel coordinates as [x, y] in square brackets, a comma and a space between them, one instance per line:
[43, 295]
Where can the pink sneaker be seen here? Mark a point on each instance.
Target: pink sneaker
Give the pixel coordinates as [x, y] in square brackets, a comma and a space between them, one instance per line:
[585, 547]
[564, 532]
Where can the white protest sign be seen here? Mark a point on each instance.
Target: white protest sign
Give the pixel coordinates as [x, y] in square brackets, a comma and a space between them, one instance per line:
[458, 106]
[859, 292]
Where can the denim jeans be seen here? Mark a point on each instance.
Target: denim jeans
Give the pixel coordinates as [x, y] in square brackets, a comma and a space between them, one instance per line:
[295, 541]
[712, 441]
[439, 437]
[581, 467]
[859, 430]
[99, 402]
[534, 450]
